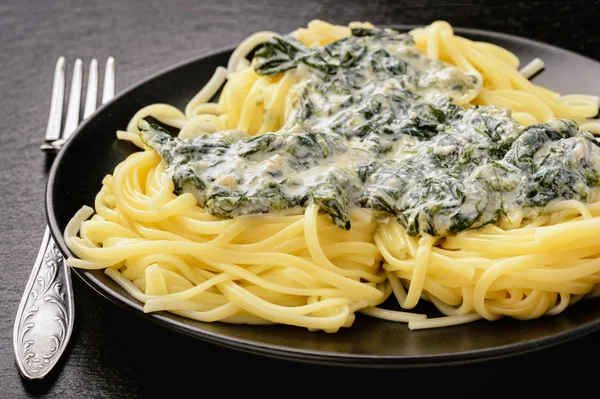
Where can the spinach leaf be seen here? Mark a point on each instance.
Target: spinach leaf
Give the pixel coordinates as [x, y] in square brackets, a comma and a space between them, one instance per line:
[532, 139]
[382, 61]
[549, 183]
[346, 53]
[260, 144]
[224, 203]
[332, 200]
[279, 54]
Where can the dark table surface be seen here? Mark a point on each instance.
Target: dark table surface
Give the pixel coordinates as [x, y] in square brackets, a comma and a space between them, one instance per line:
[114, 354]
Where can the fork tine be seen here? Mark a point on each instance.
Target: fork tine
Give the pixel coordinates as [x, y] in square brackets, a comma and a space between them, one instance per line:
[56, 105]
[92, 90]
[72, 119]
[108, 91]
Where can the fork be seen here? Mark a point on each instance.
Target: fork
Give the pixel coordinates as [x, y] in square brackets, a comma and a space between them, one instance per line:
[45, 316]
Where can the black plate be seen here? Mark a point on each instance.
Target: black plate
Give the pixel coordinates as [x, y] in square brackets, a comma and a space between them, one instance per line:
[93, 151]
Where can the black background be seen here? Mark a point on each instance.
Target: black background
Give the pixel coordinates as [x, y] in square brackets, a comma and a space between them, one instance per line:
[113, 354]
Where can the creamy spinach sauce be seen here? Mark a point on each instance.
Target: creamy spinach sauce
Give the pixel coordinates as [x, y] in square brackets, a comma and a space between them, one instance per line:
[375, 124]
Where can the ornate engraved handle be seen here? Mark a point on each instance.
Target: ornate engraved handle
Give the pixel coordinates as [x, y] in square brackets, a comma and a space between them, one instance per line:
[45, 317]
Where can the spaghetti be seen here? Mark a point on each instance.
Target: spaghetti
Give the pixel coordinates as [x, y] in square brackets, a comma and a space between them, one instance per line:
[301, 269]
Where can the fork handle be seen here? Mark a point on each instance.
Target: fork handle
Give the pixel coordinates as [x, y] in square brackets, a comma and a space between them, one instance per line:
[45, 317]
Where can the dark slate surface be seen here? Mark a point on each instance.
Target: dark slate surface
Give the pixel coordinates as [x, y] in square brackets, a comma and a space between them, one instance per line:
[114, 355]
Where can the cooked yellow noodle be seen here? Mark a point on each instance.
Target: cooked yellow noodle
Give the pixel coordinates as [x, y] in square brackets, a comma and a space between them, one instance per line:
[201, 99]
[301, 270]
[245, 47]
[543, 264]
[501, 79]
[167, 252]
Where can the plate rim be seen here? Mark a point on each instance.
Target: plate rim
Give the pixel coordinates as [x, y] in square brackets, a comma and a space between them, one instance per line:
[311, 356]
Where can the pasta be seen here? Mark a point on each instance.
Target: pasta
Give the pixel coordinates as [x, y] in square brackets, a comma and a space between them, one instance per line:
[299, 268]
[169, 254]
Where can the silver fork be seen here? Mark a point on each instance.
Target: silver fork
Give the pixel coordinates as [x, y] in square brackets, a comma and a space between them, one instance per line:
[45, 317]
